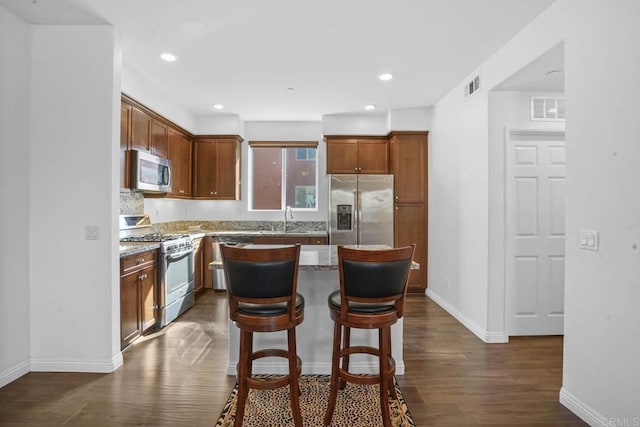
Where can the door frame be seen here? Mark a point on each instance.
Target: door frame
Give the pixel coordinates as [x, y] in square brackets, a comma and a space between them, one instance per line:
[508, 133]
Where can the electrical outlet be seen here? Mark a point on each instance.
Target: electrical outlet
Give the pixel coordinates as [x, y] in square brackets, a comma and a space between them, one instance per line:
[589, 240]
[91, 232]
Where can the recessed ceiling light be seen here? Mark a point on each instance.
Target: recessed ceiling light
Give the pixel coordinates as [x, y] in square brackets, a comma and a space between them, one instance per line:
[385, 77]
[169, 57]
[369, 107]
[218, 106]
[291, 89]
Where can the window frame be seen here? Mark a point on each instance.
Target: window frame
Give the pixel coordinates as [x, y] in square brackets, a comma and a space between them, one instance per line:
[283, 174]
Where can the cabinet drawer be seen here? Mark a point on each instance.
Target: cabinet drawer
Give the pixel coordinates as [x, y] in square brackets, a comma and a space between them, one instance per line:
[138, 261]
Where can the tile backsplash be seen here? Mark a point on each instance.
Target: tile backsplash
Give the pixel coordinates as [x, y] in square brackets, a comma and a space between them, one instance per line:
[131, 203]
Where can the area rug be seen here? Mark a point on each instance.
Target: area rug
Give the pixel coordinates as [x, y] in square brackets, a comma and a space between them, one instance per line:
[357, 406]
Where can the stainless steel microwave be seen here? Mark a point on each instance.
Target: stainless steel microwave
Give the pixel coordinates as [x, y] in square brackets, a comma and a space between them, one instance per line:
[150, 173]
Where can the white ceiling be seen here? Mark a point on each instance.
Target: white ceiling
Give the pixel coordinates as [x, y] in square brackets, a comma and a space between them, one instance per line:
[245, 54]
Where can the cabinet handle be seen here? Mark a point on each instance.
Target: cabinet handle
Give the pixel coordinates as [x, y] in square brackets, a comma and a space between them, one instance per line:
[142, 277]
[396, 197]
[181, 190]
[396, 208]
[139, 260]
[211, 193]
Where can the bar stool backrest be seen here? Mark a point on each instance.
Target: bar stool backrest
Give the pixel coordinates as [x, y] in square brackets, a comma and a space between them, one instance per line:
[261, 275]
[379, 275]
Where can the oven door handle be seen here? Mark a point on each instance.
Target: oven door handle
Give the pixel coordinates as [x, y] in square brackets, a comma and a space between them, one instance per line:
[179, 254]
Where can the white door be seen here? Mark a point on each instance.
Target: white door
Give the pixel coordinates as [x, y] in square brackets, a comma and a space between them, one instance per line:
[535, 232]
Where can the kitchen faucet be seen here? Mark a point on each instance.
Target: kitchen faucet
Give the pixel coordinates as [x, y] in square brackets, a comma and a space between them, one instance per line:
[290, 210]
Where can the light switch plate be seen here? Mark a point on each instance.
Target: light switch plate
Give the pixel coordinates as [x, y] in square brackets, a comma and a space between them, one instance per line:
[91, 232]
[589, 240]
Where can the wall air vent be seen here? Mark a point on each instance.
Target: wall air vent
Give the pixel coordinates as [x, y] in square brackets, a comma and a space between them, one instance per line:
[472, 87]
[547, 109]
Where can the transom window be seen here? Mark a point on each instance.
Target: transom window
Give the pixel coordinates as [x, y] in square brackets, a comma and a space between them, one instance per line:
[283, 174]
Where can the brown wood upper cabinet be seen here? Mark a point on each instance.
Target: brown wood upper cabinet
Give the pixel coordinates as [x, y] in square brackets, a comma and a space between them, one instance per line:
[125, 144]
[179, 153]
[216, 167]
[159, 138]
[148, 134]
[357, 154]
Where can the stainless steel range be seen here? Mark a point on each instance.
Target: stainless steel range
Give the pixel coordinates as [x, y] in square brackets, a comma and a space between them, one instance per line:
[175, 287]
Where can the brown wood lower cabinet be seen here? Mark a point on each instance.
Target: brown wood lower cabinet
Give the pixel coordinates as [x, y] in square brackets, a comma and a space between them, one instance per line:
[289, 240]
[198, 264]
[409, 224]
[138, 296]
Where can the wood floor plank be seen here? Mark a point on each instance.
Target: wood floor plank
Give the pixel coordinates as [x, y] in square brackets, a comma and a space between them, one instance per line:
[177, 377]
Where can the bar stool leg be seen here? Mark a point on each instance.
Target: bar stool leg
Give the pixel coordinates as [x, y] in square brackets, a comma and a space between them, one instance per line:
[244, 369]
[383, 341]
[294, 386]
[392, 384]
[346, 343]
[335, 374]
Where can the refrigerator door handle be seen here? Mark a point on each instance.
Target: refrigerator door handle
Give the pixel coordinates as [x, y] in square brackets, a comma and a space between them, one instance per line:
[356, 201]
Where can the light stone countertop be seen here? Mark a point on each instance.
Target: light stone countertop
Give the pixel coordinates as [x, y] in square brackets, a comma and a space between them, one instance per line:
[133, 248]
[314, 257]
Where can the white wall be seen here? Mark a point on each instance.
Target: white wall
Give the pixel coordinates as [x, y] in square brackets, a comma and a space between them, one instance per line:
[355, 124]
[14, 192]
[602, 290]
[416, 119]
[74, 283]
[219, 124]
[507, 109]
[602, 322]
[162, 210]
[142, 89]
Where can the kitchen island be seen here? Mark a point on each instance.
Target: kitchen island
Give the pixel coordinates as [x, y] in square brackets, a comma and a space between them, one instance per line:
[317, 278]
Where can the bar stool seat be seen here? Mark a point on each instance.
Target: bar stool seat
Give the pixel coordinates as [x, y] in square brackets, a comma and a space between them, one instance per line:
[373, 287]
[262, 284]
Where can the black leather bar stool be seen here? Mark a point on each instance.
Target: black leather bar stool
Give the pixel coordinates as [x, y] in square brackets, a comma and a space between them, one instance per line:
[262, 287]
[373, 286]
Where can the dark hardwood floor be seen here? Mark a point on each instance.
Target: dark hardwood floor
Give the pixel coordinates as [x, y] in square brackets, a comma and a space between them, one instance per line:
[176, 377]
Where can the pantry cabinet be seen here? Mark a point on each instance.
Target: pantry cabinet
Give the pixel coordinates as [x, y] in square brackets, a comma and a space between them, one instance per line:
[357, 154]
[138, 295]
[408, 161]
[216, 167]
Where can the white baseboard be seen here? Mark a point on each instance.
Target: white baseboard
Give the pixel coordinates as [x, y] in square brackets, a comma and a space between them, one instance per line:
[581, 409]
[484, 335]
[14, 373]
[282, 368]
[97, 366]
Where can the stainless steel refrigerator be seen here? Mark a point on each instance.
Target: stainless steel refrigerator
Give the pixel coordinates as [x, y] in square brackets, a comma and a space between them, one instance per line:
[361, 210]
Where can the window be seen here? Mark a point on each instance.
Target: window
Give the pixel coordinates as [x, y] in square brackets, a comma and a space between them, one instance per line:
[547, 109]
[283, 174]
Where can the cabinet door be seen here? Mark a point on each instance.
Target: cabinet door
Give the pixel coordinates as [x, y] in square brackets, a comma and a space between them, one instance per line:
[373, 156]
[147, 280]
[207, 254]
[129, 313]
[342, 156]
[179, 152]
[198, 266]
[227, 168]
[204, 152]
[280, 240]
[408, 154]
[125, 127]
[409, 223]
[159, 134]
[140, 130]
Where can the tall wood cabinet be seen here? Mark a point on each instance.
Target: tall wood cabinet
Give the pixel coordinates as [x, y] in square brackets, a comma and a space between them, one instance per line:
[179, 152]
[138, 297]
[357, 154]
[408, 164]
[216, 167]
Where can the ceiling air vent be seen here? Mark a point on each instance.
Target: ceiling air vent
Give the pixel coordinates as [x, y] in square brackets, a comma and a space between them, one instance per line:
[472, 87]
[544, 109]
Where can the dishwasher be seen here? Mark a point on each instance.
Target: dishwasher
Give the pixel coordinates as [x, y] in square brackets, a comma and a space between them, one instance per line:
[219, 279]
